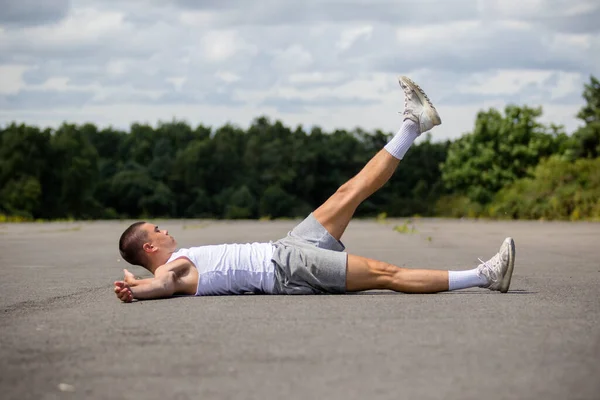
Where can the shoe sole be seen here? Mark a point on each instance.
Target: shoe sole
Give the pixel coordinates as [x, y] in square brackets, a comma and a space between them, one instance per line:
[424, 100]
[505, 283]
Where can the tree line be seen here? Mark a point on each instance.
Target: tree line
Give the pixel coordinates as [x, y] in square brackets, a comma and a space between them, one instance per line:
[272, 171]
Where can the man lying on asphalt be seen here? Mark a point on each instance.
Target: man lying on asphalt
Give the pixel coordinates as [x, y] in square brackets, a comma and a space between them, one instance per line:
[311, 258]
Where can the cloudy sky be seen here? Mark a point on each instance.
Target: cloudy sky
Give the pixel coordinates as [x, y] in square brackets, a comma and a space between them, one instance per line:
[331, 63]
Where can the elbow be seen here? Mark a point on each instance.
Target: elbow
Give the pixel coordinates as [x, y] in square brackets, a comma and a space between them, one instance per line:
[168, 283]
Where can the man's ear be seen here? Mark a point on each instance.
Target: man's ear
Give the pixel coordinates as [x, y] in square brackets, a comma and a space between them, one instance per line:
[148, 248]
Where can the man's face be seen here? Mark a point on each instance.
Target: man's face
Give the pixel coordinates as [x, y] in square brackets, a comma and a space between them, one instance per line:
[160, 239]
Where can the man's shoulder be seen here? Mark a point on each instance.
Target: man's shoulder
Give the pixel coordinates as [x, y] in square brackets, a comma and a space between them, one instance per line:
[175, 264]
[177, 253]
[186, 276]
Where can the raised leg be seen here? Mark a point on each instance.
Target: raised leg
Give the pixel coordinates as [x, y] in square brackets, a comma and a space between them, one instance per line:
[337, 211]
[419, 116]
[368, 274]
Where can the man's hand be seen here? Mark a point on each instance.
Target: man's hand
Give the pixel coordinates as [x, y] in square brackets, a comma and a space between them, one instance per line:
[129, 278]
[123, 291]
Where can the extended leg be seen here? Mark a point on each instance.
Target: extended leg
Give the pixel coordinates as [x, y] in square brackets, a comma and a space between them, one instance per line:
[419, 116]
[368, 274]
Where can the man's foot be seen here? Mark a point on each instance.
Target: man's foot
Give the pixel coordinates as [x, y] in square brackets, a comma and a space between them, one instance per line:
[498, 270]
[417, 106]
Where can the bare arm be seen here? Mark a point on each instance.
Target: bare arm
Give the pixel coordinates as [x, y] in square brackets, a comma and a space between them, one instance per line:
[138, 282]
[131, 281]
[153, 288]
[156, 288]
[178, 276]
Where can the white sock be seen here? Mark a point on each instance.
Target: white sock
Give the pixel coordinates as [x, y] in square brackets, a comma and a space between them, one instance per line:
[402, 141]
[465, 279]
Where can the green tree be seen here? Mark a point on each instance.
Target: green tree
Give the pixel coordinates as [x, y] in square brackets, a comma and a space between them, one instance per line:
[112, 156]
[267, 156]
[500, 150]
[21, 196]
[190, 178]
[276, 203]
[241, 204]
[160, 202]
[24, 165]
[175, 170]
[200, 205]
[74, 175]
[558, 189]
[586, 140]
[226, 166]
[128, 189]
[417, 184]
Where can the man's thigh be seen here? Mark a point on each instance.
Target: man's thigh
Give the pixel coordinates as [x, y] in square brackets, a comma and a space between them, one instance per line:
[312, 232]
[303, 268]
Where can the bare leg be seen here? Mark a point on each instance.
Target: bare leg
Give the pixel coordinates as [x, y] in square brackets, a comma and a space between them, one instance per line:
[367, 274]
[336, 212]
[419, 116]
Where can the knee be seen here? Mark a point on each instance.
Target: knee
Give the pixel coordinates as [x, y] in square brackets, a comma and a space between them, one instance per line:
[348, 189]
[386, 273]
[396, 277]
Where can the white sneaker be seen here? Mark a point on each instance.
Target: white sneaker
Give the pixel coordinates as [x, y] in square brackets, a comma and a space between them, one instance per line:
[498, 270]
[417, 106]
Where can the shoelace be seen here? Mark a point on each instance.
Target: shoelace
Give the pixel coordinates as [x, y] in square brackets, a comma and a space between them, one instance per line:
[424, 95]
[407, 90]
[489, 267]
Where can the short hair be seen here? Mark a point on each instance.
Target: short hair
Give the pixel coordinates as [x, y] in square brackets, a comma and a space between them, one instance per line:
[132, 242]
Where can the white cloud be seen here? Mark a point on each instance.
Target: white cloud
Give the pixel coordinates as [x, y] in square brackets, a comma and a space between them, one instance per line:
[197, 18]
[177, 82]
[504, 81]
[117, 67]
[428, 34]
[293, 58]
[58, 83]
[537, 8]
[316, 77]
[81, 26]
[574, 8]
[218, 46]
[228, 77]
[567, 83]
[349, 36]
[11, 78]
[319, 62]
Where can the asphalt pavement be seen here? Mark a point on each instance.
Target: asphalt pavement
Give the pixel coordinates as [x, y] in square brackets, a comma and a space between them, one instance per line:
[64, 335]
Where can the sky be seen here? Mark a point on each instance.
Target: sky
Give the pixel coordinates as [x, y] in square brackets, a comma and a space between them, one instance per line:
[329, 63]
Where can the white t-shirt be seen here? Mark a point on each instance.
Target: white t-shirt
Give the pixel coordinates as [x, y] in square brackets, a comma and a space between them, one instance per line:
[232, 268]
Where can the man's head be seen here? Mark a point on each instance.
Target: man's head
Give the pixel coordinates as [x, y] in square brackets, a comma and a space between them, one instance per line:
[145, 245]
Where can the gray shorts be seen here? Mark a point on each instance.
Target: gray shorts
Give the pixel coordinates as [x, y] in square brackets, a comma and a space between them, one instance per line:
[309, 261]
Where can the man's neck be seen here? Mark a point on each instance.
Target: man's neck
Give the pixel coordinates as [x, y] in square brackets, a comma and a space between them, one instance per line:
[157, 261]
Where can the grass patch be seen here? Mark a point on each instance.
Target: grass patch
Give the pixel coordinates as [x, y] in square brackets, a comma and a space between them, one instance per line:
[406, 227]
[13, 219]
